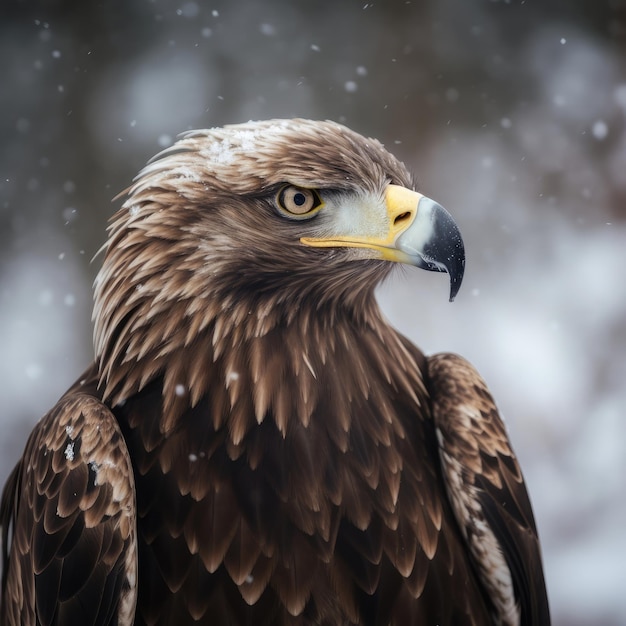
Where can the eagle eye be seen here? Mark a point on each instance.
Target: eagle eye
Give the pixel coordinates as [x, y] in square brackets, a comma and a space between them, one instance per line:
[298, 202]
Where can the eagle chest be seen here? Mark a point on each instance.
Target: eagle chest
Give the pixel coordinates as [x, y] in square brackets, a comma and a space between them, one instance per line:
[278, 513]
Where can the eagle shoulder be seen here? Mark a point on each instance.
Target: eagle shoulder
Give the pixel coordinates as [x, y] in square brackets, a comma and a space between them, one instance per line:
[68, 521]
[486, 489]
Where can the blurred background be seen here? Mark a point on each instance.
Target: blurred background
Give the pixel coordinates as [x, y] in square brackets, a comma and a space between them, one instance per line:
[511, 113]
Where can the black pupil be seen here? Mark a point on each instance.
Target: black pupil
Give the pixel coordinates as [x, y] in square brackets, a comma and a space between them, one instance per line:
[299, 199]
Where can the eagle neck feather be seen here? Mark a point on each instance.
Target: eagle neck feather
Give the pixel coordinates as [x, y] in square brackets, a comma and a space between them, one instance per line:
[267, 359]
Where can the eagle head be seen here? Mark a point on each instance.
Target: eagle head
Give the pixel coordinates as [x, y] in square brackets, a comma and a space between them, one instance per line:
[251, 221]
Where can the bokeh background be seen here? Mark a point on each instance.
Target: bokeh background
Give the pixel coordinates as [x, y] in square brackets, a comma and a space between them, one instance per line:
[511, 113]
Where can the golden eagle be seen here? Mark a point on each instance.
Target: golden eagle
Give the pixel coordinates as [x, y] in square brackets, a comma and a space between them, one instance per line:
[254, 444]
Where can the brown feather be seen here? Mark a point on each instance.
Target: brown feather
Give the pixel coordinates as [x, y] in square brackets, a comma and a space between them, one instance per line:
[73, 518]
[483, 476]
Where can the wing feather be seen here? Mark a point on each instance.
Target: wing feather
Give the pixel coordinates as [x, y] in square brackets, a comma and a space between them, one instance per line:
[486, 488]
[68, 518]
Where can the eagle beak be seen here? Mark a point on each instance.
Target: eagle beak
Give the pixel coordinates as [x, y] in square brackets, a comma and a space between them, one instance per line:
[416, 231]
[430, 239]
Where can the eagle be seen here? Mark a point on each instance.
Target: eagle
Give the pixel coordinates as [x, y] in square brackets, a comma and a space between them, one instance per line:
[254, 444]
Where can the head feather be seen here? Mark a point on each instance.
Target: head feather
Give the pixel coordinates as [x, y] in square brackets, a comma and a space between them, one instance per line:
[198, 253]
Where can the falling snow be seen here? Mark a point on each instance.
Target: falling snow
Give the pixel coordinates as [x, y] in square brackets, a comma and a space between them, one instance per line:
[164, 141]
[189, 10]
[600, 129]
[267, 29]
[33, 371]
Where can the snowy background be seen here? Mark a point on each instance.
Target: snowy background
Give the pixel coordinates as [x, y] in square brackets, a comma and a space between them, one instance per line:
[513, 116]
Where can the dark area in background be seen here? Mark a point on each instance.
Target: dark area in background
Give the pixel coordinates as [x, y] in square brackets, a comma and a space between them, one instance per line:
[529, 97]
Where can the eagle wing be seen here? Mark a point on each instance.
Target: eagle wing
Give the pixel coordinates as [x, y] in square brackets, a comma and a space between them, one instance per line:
[486, 488]
[70, 508]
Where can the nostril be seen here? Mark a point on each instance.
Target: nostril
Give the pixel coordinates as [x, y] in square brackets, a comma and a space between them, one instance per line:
[403, 217]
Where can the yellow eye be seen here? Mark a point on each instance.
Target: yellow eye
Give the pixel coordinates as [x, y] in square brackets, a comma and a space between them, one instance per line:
[298, 201]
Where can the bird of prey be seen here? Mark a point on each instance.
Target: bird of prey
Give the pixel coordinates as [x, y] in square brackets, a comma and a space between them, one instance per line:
[254, 444]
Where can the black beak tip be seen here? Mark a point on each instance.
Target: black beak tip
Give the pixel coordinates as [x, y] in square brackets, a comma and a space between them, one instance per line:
[456, 272]
[455, 285]
[446, 248]
[443, 250]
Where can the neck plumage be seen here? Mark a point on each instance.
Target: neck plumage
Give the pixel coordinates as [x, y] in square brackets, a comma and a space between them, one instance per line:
[258, 364]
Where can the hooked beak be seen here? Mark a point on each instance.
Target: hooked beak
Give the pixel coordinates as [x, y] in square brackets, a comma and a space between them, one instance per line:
[416, 231]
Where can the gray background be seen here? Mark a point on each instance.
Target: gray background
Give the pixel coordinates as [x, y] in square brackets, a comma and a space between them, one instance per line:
[513, 116]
